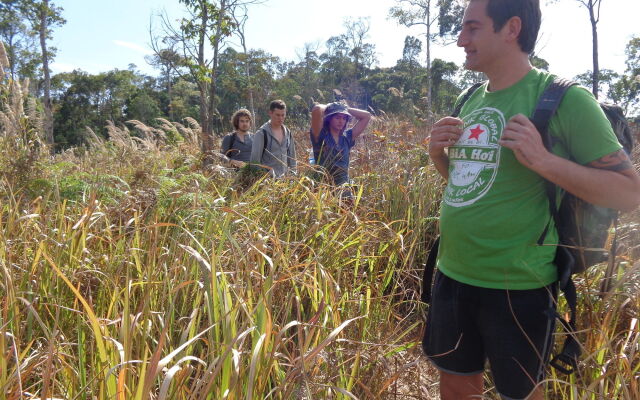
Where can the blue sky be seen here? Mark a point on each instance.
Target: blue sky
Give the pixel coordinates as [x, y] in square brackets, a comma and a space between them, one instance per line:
[102, 35]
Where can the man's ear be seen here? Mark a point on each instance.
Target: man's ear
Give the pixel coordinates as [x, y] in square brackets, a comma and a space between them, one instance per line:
[513, 27]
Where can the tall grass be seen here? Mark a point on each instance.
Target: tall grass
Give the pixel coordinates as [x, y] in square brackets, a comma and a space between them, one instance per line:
[128, 272]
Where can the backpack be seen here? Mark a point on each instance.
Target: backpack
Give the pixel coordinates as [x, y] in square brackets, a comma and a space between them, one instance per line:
[582, 227]
[287, 134]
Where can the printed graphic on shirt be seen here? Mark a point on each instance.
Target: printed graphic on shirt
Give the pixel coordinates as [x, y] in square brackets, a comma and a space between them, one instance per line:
[474, 159]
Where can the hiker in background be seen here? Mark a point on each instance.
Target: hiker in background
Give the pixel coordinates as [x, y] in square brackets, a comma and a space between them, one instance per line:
[273, 145]
[495, 290]
[237, 144]
[332, 141]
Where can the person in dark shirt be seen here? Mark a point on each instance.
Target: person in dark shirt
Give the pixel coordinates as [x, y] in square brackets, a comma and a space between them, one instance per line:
[332, 141]
[237, 144]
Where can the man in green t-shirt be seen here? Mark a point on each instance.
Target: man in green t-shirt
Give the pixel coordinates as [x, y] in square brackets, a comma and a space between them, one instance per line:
[496, 285]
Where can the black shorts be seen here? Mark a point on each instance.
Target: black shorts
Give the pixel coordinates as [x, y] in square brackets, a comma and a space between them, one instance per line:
[512, 329]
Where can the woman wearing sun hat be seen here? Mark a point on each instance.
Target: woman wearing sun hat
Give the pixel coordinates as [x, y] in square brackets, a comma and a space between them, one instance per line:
[332, 141]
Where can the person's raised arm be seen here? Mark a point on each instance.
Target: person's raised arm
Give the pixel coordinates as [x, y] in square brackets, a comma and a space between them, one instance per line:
[317, 119]
[363, 118]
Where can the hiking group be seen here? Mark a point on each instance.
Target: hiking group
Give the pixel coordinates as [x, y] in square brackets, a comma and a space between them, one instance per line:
[499, 264]
[273, 147]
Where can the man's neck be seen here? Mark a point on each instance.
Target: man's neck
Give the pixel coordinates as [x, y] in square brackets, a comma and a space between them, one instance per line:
[275, 127]
[241, 134]
[509, 72]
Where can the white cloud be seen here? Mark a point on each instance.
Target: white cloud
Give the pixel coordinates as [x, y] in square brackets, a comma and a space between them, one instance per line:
[132, 46]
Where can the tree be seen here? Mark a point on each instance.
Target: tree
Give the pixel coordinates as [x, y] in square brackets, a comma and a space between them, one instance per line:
[170, 63]
[411, 51]
[444, 88]
[199, 39]
[538, 62]
[440, 18]
[348, 58]
[43, 17]
[19, 42]
[84, 100]
[240, 20]
[307, 73]
[626, 91]
[363, 54]
[593, 6]
[606, 77]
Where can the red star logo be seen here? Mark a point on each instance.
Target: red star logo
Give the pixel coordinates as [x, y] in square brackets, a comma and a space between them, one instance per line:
[475, 133]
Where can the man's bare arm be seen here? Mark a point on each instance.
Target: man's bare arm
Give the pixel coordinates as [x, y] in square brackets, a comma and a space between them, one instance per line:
[618, 161]
[610, 181]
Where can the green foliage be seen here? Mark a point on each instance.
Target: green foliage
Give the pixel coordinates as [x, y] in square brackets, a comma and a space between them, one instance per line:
[538, 62]
[622, 89]
[20, 44]
[83, 100]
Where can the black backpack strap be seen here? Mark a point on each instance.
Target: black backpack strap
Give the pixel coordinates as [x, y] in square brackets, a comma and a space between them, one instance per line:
[233, 140]
[264, 141]
[567, 360]
[427, 274]
[547, 106]
[465, 97]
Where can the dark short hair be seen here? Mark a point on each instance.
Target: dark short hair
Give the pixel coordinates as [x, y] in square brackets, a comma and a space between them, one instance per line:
[500, 11]
[279, 104]
[235, 119]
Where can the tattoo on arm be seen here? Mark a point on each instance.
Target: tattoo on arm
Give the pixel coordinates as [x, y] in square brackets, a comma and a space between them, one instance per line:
[618, 161]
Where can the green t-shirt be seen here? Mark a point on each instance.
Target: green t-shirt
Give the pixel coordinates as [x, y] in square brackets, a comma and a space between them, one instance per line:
[494, 209]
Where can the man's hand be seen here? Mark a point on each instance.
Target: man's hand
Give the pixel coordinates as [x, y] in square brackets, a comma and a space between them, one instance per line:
[522, 137]
[444, 133]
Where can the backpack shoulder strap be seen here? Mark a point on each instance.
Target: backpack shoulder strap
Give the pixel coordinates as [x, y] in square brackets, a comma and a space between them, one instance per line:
[547, 106]
[465, 97]
[287, 135]
[567, 360]
[233, 140]
[264, 141]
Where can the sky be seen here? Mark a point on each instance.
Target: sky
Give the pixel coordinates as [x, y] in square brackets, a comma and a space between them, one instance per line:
[102, 35]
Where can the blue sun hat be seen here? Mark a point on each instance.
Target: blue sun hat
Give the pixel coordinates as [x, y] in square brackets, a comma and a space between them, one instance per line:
[336, 108]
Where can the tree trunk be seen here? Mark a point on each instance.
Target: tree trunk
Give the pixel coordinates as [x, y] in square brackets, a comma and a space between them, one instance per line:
[214, 68]
[594, 34]
[251, 104]
[170, 94]
[207, 144]
[205, 116]
[247, 72]
[48, 113]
